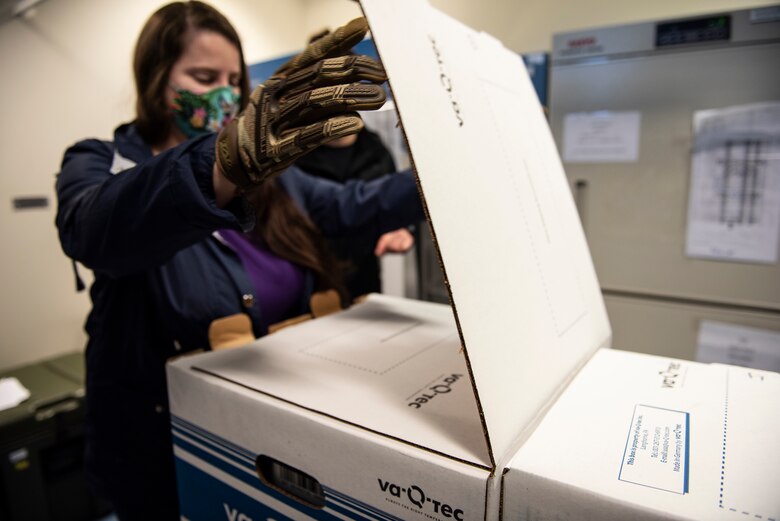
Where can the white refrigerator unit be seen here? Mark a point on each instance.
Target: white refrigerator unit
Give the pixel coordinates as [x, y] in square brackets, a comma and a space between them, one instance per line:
[669, 135]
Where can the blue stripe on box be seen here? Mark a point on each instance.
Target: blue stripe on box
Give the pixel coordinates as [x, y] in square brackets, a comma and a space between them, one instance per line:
[201, 494]
[687, 450]
[371, 511]
[184, 438]
[204, 497]
[222, 442]
[239, 463]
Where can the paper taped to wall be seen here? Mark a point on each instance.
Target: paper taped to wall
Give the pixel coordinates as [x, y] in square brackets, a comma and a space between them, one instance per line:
[734, 201]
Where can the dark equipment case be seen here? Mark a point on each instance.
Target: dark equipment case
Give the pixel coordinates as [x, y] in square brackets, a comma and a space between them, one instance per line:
[42, 446]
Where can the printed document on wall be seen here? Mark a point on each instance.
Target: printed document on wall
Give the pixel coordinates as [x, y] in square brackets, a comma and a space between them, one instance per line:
[738, 345]
[603, 136]
[734, 201]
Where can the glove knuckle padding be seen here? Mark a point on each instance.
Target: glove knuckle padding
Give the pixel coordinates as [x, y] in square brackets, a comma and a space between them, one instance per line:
[365, 95]
[335, 71]
[307, 102]
[337, 43]
[328, 101]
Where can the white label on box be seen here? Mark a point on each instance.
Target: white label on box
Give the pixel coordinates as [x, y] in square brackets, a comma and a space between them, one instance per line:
[656, 452]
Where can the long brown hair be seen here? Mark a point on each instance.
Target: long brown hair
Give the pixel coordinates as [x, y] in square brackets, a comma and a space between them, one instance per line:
[160, 44]
[287, 232]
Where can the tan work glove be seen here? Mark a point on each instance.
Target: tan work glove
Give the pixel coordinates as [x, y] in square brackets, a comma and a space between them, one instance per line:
[309, 101]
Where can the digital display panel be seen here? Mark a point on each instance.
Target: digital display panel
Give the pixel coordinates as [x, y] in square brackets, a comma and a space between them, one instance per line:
[716, 28]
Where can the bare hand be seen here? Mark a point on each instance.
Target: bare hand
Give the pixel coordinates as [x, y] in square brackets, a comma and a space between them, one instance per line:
[399, 241]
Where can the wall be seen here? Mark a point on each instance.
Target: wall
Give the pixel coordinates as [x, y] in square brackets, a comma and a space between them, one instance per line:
[528, 26]
[66, 75]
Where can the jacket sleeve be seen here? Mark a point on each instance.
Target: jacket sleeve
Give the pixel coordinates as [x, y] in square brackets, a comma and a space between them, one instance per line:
[139, 218]
[356, 207]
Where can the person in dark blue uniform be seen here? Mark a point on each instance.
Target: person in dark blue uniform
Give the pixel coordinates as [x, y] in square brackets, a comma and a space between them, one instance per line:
[192, 213]
[357, 156]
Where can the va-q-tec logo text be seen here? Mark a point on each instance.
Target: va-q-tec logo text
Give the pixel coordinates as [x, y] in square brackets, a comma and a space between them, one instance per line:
[446, 80]
[672, 377]
[414, 498]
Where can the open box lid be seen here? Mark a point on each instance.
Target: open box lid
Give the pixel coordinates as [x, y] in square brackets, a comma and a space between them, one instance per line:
[523, 289]
[526, 304]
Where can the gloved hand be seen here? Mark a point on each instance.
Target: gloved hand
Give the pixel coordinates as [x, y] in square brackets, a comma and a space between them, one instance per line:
[309, 101]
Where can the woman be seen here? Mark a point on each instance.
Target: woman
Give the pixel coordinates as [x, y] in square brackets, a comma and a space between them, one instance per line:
[158, 215]
[357, 156]
[361, 156]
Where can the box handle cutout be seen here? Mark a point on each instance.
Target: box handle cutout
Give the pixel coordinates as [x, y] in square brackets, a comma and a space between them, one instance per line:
[290, 481]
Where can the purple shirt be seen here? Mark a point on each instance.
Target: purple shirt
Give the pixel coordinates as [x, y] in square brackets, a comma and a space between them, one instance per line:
[278, 282]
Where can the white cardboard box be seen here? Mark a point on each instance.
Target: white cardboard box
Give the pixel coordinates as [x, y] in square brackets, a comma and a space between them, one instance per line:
[643, 437]
[373, 403]
[397, 409]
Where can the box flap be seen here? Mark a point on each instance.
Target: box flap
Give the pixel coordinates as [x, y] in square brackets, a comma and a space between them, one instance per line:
[522, 285]
[388, 365]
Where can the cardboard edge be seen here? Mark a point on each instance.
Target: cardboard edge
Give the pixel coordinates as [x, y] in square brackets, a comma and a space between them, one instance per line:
[341, 420]
[553, 497]
[503, 490]
[440, 258]
[493, 495]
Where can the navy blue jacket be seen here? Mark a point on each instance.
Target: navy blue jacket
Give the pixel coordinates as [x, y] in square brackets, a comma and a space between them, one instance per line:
[144, 226]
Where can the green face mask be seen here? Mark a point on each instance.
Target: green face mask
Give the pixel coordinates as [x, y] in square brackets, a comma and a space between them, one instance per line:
[199, 114]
